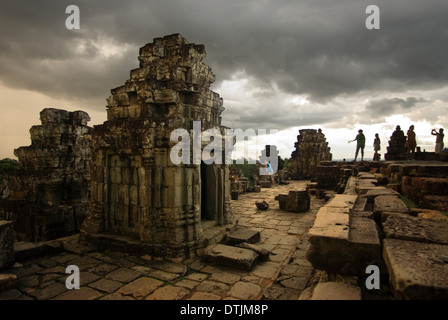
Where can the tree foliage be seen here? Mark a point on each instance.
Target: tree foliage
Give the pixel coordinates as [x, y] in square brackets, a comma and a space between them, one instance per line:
[7, 166]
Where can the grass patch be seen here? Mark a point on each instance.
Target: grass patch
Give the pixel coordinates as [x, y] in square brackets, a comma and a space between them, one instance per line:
[409, 203]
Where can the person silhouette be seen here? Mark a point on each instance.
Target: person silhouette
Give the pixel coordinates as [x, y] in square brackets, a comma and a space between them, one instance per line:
[439, 139]
[411, 143]
[360, 144]
[376, 147]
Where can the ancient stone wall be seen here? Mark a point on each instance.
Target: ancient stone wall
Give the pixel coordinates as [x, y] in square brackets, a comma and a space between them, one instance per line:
[48, 196]
[311, 149]
[136, 189]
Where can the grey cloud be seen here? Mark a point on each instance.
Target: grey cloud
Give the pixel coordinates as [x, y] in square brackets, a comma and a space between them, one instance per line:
[320, 49]
[389, 106]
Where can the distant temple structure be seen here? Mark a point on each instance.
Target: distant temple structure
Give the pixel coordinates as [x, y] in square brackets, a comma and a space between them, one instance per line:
[311, 149]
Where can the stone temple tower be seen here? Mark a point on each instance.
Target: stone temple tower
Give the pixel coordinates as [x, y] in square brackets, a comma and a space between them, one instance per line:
[311, 149]
[141, 201]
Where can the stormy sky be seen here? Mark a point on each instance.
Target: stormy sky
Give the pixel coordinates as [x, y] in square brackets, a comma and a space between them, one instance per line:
[279, 64]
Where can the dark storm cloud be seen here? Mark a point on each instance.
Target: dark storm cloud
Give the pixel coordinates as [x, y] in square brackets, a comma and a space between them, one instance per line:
[316, 48]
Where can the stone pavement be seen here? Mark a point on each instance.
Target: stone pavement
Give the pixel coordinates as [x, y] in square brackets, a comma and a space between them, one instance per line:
[116, 276]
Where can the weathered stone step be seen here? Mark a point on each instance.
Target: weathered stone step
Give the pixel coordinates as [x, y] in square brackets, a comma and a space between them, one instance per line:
[418, 271]
[388, 204]
[230, 256]
[341, 243]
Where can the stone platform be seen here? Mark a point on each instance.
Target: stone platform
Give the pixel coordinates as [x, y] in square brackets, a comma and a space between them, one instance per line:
[109, 275]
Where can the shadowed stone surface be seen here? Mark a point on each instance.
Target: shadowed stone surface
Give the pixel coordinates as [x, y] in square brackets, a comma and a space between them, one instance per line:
[6, 244]
[418, 271]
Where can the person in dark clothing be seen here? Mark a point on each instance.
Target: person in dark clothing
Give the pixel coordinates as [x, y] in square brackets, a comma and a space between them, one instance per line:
[360, 144]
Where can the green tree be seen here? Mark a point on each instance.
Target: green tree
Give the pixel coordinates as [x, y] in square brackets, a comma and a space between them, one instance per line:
[7, 166]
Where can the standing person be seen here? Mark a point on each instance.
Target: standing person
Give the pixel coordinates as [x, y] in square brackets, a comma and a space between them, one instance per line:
[360, 144]
[439, 139]
[376, 147]
[411, 144]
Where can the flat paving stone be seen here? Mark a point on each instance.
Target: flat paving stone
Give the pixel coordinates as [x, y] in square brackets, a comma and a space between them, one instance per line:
[116, 296]
[264, 271]
[197, 276]
[48, 292]
[168, 266]
[106, 285]
[168, 293]
[140, 288]
[186, 283]
[162, 275]
[204, 296]
[123, 275]
[103, 269]
[84, 293]
[297, 283]
[245, 291]
[225, 277]
[214, 287]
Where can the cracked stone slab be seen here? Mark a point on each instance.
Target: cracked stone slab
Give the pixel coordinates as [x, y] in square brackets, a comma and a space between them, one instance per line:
[418, 271]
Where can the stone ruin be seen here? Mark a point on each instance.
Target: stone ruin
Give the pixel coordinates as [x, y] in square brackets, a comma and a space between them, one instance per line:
[140, 201]
[311, 149]
[48, 196]
[396, 149]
